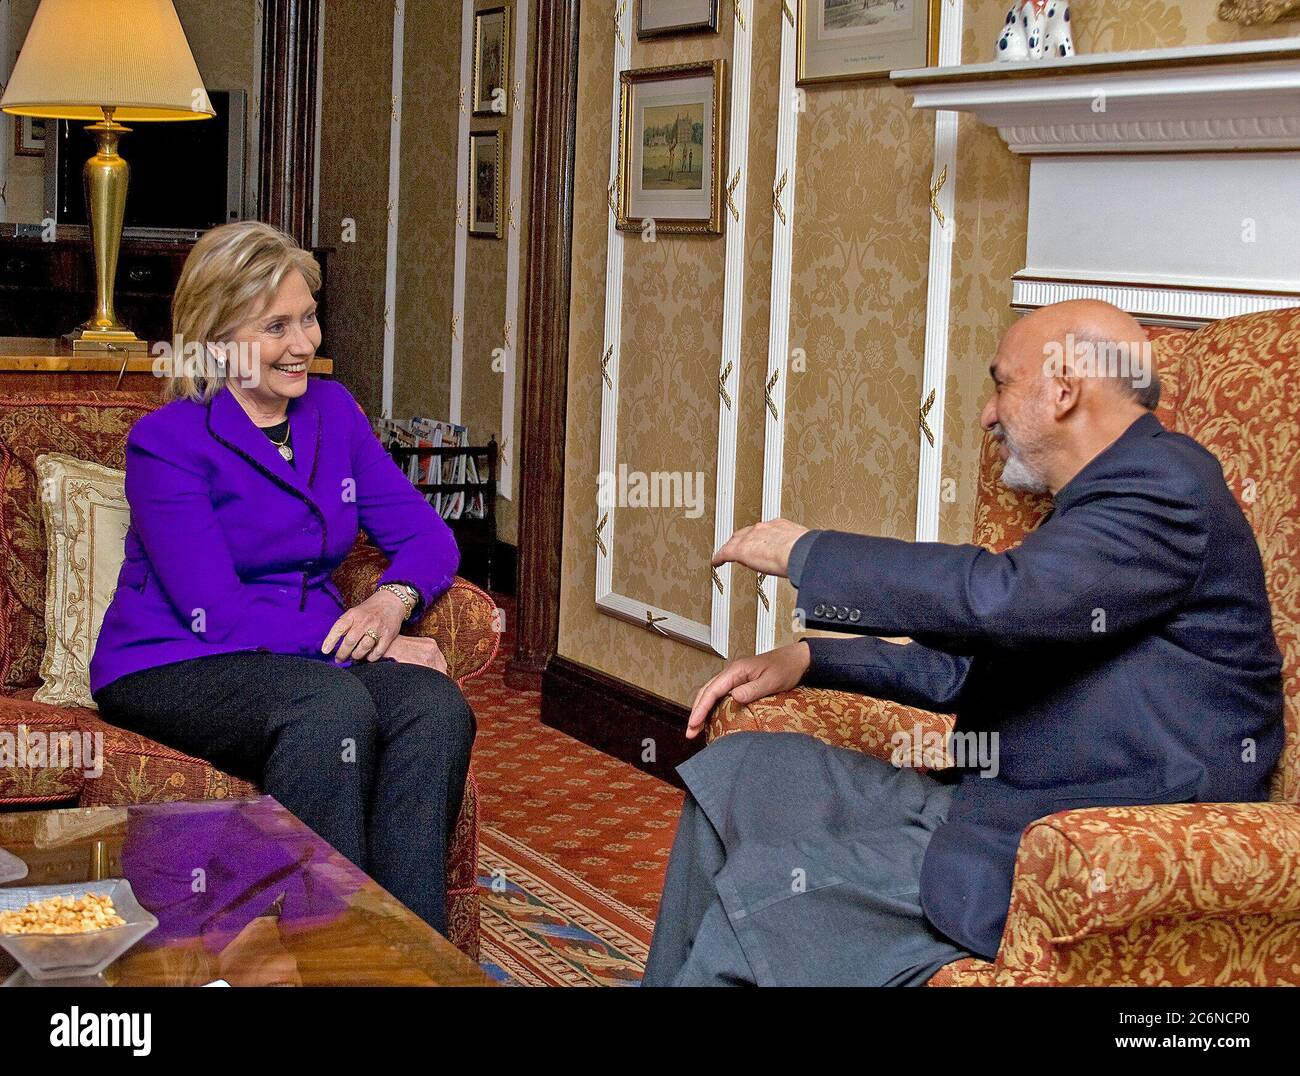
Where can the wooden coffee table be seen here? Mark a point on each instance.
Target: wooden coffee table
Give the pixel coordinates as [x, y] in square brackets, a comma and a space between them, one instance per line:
[243, 892]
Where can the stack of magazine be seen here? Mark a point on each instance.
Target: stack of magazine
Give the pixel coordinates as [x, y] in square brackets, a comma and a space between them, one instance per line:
[419, 432]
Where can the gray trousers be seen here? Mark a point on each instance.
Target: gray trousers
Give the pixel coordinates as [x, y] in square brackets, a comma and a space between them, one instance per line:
[796, 863]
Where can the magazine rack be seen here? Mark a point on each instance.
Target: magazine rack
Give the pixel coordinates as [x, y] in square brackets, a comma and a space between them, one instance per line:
[476, 538]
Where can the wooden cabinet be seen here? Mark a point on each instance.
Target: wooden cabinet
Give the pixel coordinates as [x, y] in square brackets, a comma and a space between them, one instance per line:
[47, 289]
[25, 265]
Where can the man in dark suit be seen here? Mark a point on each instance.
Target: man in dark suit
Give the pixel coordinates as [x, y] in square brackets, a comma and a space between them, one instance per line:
[1123, 653]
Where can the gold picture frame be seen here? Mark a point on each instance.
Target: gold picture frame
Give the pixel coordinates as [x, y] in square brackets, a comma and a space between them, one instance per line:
[491, 69]
[29, 136]
[486, 163]
[29, 132]
[674, 101]
[844, 40]
[705, 20]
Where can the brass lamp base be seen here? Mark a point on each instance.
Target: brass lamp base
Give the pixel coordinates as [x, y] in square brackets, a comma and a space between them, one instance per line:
[86, 338]
[106, 175]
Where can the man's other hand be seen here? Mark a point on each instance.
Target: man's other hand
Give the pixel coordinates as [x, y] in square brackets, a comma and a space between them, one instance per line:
[764, 547]
[750, 679]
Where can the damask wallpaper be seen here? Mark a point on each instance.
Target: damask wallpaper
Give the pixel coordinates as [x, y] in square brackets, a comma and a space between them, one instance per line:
[356, 91]
[861, 249]
[668, 371]
[990, 208]
[486, 312]
[354, 184]
[1117, 25]
[857, 312]
[668, 407]
[426, 207]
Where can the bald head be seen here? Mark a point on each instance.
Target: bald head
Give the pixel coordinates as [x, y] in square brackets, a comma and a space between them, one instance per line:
[1091, 339]
[1090, 316]
[1068, 380]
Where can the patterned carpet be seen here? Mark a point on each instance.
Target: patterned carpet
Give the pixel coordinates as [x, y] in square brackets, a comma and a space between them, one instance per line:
[573, 844]
[543, 926]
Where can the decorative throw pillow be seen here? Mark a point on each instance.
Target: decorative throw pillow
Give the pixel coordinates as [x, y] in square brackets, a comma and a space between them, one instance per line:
[84, 510]
[88, 424]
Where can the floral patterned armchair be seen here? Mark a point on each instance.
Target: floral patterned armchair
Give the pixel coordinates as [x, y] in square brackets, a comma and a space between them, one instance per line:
[1180, 894]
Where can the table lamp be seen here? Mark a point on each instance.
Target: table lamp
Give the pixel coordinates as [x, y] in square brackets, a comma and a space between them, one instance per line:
[107, 61]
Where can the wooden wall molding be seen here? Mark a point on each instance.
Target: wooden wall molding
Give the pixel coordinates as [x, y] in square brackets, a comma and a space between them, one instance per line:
[616, 717]
[512, 207]
[545, 343]
[290, 45]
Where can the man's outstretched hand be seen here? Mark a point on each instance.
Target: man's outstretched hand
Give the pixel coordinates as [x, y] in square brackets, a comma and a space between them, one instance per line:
[764, 547]
[749, 679]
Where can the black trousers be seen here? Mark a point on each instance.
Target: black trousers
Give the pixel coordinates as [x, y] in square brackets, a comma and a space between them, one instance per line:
[372, 757]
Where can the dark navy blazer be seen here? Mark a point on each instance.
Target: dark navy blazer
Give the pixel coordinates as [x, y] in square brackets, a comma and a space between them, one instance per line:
[1123, 652]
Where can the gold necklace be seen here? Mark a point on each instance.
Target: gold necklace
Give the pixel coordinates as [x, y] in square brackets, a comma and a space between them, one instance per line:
[283, 446]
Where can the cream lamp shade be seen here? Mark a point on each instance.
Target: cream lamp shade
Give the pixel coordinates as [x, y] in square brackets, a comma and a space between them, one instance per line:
[107, 61]
[82, 56]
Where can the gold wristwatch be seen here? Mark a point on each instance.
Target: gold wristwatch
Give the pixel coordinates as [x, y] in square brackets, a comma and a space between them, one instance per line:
[407, 594]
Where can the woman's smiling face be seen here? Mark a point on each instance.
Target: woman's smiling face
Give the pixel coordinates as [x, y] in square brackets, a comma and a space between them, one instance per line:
[275, 349]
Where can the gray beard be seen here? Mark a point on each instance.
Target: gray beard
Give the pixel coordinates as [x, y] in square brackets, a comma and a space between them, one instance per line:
[1018, 475]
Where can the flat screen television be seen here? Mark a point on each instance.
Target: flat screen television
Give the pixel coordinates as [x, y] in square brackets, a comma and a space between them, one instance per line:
[186, 177]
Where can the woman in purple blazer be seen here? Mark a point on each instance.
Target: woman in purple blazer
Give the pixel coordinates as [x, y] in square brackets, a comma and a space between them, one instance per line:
[226, 638]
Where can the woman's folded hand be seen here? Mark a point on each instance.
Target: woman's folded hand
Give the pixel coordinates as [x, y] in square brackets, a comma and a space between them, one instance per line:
[366, 631]
[419, 650]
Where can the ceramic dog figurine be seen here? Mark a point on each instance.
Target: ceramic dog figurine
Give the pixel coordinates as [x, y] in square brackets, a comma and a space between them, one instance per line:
[1036, 30]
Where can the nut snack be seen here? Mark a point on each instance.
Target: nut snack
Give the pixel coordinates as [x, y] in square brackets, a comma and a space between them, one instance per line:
[62, 915]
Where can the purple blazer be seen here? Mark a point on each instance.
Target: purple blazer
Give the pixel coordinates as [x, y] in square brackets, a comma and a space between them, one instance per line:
[231, 548]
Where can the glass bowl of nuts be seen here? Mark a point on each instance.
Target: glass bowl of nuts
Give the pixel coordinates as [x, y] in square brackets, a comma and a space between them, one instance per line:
[72, 930]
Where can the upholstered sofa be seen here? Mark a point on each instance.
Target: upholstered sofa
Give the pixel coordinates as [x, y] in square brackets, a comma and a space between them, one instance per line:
[92, 425]
[1205, 894]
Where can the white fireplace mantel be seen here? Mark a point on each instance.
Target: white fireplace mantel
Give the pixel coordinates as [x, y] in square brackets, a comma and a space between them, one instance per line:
[1166, 181]
[1212, 97]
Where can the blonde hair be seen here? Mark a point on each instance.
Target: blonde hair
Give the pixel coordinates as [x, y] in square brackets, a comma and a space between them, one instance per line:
[232, 273]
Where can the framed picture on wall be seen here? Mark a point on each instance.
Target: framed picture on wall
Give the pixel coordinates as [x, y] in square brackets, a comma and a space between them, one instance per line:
[29, 136]
[485, 181]
[491, 78]
[852, 39]
[29, 132]
[670, 148]
[656, 17]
